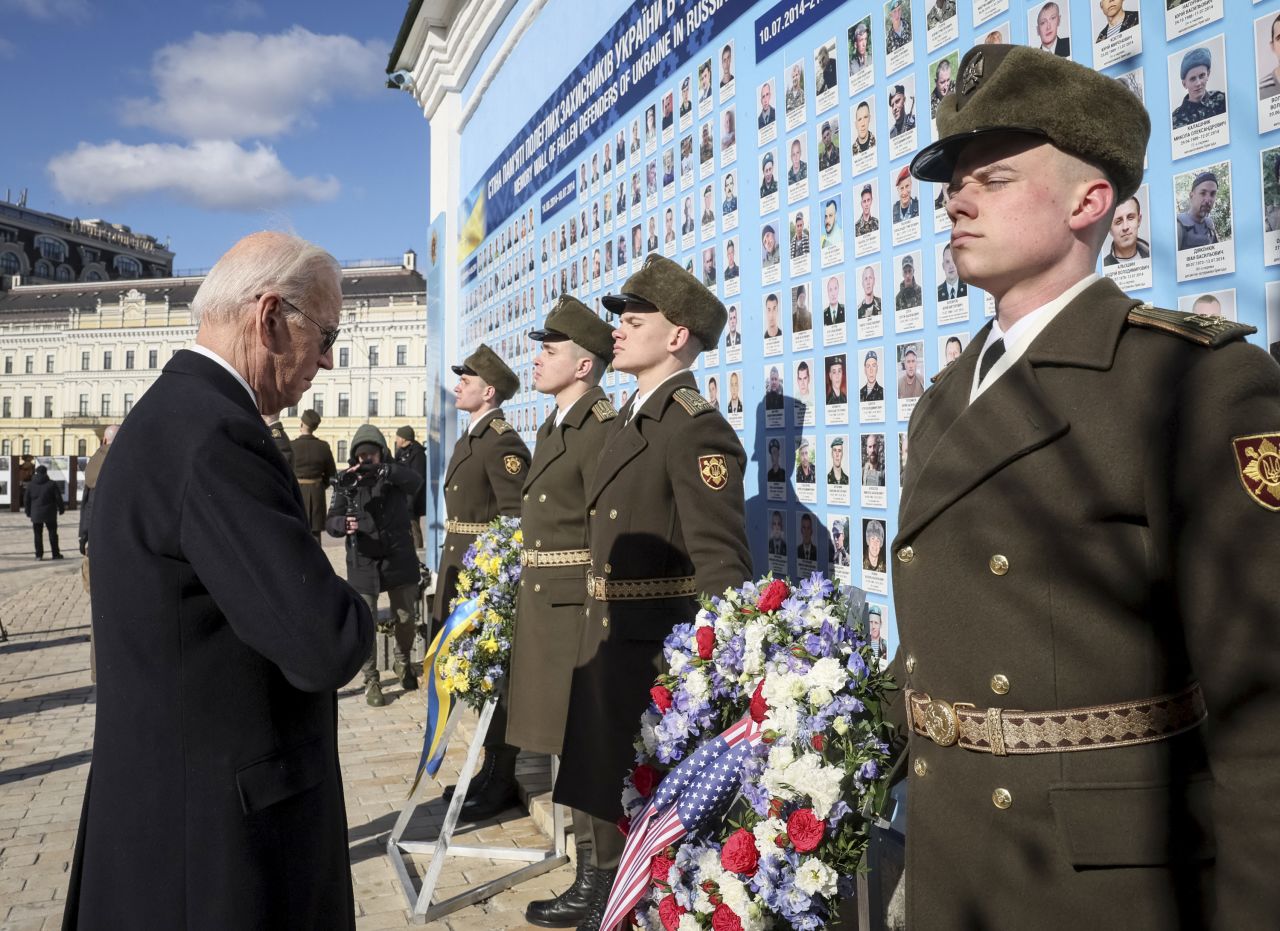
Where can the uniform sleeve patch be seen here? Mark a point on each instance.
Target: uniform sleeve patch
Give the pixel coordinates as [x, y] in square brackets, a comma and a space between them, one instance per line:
[714, 471]
[513, 464]
[1258, 459]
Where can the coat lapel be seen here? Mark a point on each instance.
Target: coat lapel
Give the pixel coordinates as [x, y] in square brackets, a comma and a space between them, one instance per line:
[965, 444]
[627, 441]
[549, 448]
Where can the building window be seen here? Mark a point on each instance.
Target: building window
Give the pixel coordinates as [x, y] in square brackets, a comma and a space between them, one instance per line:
[48, 405]
[84, 361]
[6, 448]
[26, 447]
[48, 365]
[30, 364]
[342, 450]
[344, 404]
[26, 406]
[84, 405]
[373, 357]
[55, 250]
[65, 273]
[9, 264]
[373, 404]
[424, 404]
[44, 269]
[8, 407]
[48, 447]
[128, 359]
[93, 275]
[106, 405]
[152, 358]
[400, 404]
[82, 448]
[344, 357]
[402, 355]
[8, 365]
[106, 361]
[317, 404]
[128, 404]
[292, 412]
[128, 267]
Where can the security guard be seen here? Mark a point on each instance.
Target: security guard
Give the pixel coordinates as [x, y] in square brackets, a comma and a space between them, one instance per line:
[313, 467]
[481, 482]
[577, 347]
[1093, 493]
[665, 523]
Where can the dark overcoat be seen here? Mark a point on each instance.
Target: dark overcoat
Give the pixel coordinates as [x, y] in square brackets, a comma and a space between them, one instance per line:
[667, 502]
[1083, 531]
[44, 501]
[414, 457]
[313, 466]
[553, 517]
[380, 555]
[215, 797]
[481, 482]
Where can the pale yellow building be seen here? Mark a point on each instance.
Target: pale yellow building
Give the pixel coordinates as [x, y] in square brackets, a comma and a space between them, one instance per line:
[75, 357]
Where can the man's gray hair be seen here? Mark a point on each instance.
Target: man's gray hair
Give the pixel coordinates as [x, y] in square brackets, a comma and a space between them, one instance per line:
[299, 271]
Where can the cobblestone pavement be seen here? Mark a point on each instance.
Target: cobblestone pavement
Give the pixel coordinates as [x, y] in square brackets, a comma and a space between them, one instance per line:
[46, 735]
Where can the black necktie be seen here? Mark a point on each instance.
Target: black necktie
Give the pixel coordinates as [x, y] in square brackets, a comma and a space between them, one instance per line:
[989, 358]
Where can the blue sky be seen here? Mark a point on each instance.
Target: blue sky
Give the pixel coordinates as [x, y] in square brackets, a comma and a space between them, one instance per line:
[203, 120]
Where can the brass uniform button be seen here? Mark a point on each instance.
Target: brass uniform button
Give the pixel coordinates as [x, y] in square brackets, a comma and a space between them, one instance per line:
[608, 568]
[906, 554]
[613, 515]
[911, 664]
[921, 767]
[604, 622]
[592, 512]
[1000, 684]
[542, 497]
[999, 565]
[526, 498]
[1001, 798]
[522, 583]
[537, 544]
[455, 487]
[450, 547]
[537, 587]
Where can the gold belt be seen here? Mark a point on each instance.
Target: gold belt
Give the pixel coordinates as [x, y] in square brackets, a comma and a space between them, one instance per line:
[537, 558]
[310, 481]
[640, 589]
[457, 526]
[1003, 732]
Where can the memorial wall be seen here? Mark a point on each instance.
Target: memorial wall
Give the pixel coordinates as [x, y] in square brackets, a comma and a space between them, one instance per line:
[765, 146]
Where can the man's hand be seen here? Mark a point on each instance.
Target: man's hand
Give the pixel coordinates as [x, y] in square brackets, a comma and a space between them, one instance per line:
[353, 524]
[84, 543]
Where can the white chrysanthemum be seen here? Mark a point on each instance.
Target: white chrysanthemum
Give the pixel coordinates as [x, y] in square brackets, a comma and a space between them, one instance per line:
[701, 903]
[814, 617]
[688, 921]
[738, 897]
[827, 673]
[703, 618]
[709, 865]
[783, 688]
[784, 719]
[629, 797]
[765, 832]
[697, 685]
[781, 756]
[816, 878]
[753, 649]
[679, 660]
[807, 777]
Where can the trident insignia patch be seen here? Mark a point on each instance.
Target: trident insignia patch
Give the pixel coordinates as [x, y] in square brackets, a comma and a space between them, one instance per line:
[714, 471]
[1258, 458]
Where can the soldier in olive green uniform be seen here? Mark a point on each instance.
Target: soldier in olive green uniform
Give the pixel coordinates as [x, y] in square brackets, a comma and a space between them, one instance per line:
[665, 523]
[577, 347]
[313, 467]
[1088, 526]
[279, 437]
[482, 481]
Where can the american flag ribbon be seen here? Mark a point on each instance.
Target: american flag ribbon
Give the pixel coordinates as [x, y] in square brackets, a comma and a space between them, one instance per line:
[700, 788]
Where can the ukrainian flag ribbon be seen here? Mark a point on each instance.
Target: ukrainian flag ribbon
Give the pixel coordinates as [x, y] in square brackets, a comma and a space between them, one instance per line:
[439, 698]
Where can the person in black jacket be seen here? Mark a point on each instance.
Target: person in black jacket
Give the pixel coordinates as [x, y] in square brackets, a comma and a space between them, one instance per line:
[371, 506]
[44, 504]
[411, 455]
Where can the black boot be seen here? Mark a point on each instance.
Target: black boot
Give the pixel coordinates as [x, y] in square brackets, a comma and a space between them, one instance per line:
[570, 906]
[499, 792]
[599, 899]
[477, 781]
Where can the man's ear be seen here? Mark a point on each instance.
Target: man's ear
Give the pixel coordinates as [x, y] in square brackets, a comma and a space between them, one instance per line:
[270, 324]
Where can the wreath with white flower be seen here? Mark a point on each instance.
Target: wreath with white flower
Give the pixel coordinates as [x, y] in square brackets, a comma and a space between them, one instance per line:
[789, 848]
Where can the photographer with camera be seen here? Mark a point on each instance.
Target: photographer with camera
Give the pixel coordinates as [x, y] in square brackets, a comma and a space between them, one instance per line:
[371, 507]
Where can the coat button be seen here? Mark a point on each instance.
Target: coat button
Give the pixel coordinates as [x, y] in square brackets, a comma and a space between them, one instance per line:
[542, 497]
[526, 498]
[537, 544]
[608, 568]
[450, 547]
[537, 587]
[604, 622]
[906, 554]
[1000, 684]
[592, 512]
[455, 487]
[999, 565]
[911, 664]
[921, 767]
[1001, 798]
[613, 515]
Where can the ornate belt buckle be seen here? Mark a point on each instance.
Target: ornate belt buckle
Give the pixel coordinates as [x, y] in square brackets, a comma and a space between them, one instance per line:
[942, 722]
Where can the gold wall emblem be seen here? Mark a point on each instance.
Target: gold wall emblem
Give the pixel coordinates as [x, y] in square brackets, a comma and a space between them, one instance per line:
[1258, 458]
[513, 464]
[714, 471]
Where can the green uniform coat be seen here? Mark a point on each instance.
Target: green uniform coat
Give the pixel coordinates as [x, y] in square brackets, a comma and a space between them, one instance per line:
[1101, 467]
[482, 481]
[553, 516]
[651, 514]
[313, 467]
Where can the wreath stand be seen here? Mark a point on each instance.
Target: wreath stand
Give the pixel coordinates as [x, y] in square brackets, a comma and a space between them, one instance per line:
[539, 859]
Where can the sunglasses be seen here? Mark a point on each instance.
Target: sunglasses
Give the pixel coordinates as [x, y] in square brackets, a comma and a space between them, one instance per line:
[330, 336]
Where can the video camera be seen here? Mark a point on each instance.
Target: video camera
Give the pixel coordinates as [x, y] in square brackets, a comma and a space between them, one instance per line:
[364, 474]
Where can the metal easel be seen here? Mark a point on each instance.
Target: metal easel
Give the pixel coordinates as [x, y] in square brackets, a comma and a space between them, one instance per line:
[539, 859]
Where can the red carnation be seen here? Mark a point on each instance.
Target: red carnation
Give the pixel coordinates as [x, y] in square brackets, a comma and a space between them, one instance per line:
[659, 867]
[706, 642]
[758, 706]
[773, 597]
[775, 807]
[661, 696]
[624, 825]
[646, 779]
[725, 919]
[739, 853]
[818, 742]
[805, 830]
[669, 910]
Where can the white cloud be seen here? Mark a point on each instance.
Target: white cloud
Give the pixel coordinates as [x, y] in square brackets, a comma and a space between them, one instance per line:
[215, 174]
[239, 85]
[49, 9]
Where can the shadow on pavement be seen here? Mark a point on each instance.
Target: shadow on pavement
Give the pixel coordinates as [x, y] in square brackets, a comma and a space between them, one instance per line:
[45, 701]
[31, 770]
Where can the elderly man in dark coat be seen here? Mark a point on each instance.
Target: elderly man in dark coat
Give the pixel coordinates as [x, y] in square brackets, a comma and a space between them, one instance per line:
[43, 505]
[215, 796]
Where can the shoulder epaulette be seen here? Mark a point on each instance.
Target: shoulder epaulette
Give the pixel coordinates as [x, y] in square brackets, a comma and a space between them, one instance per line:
[500, 426]
[1201, 329]
[692, 402]
[603, 410]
